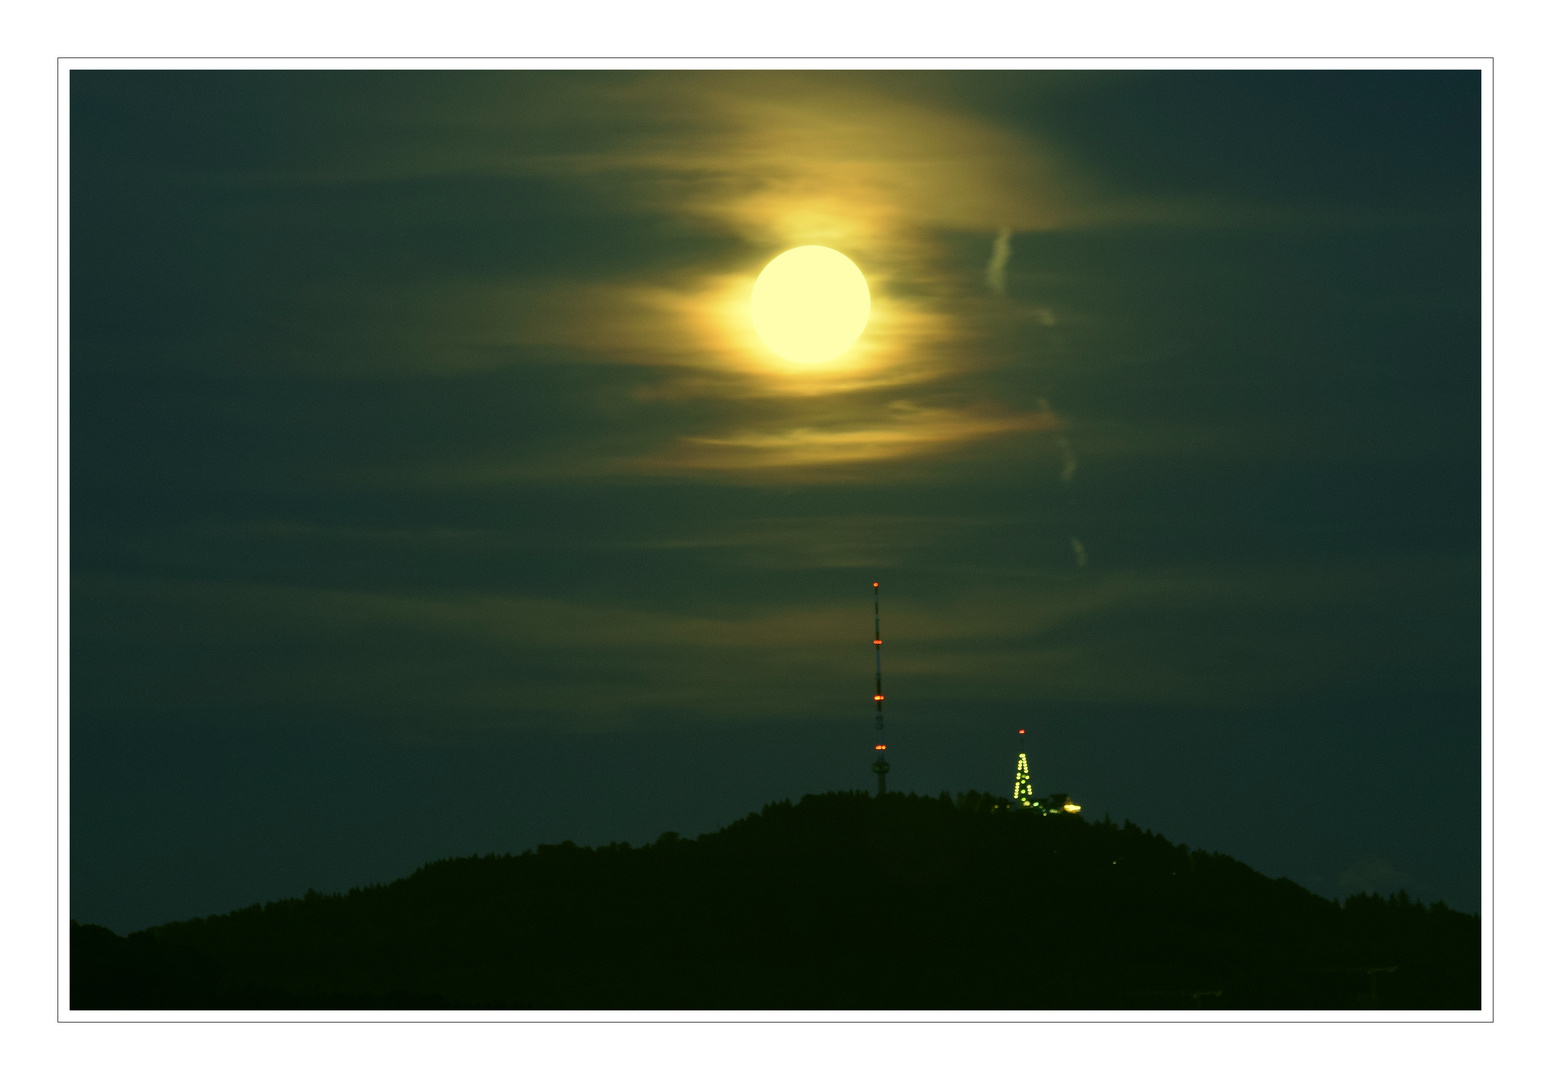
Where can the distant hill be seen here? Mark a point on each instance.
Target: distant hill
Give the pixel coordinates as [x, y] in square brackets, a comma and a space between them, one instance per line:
[842, 901]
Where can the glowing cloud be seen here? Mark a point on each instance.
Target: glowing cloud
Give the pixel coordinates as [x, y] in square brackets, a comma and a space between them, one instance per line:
[908, 432]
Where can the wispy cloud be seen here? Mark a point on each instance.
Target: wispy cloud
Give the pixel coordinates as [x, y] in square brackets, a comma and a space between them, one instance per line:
[908, 431]
[734, 166]
[867, 541]
[1068, 458]
[438, 658]
[996, 269]
[1079, 552]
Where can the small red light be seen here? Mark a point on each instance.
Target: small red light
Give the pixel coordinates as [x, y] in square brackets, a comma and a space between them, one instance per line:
[880, 746]
[1020, 731]
[877, 697]
[877, 641]
[874, 584]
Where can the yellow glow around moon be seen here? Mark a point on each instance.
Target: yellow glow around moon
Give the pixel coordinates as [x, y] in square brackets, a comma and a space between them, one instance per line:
[810, 304]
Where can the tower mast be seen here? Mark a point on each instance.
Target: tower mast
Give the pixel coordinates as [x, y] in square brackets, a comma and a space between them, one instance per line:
[881, 766]
[1022, 786]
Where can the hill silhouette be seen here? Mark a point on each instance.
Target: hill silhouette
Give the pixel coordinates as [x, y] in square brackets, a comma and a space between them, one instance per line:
[841, 901]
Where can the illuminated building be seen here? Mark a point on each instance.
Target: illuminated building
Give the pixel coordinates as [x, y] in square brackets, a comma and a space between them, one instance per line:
[1056, 804]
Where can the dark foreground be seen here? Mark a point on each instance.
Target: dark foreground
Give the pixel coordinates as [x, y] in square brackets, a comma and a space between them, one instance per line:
[839, 902]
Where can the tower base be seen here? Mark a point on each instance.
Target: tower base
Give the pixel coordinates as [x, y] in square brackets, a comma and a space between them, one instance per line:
[881, 767]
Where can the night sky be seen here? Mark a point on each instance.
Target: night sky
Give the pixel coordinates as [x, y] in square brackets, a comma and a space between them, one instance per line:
[430, 494]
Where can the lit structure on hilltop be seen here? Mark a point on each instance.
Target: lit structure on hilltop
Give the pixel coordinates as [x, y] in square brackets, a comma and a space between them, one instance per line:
[881, 766]
[1023, 791]
[1023, 787]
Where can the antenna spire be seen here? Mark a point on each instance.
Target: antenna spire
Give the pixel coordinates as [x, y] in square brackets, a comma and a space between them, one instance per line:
[881, 766]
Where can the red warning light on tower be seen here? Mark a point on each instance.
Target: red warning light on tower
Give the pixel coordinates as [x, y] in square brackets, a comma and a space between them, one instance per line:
[881, 766]
[1020, 731]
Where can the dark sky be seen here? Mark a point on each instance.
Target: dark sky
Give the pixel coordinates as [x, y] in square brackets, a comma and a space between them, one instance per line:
[430, 494]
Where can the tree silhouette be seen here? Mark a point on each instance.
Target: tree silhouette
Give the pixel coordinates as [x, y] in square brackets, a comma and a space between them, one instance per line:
[840, 901]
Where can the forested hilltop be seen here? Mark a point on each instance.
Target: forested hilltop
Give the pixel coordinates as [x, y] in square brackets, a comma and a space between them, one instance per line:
[841, 901]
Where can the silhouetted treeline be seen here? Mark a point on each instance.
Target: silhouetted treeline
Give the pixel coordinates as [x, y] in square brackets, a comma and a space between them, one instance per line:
[842, 901]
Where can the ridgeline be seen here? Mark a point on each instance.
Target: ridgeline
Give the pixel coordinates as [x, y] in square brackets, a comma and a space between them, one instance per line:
[842, 901]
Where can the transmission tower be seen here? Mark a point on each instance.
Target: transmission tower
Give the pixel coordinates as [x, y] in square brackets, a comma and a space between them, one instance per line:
[881, 766]
[1022, 786]
[1023, 792]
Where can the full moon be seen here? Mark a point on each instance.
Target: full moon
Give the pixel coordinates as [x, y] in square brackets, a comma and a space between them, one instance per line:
[810, 304]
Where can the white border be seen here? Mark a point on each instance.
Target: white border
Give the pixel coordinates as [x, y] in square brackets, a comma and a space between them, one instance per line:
[66, 65]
